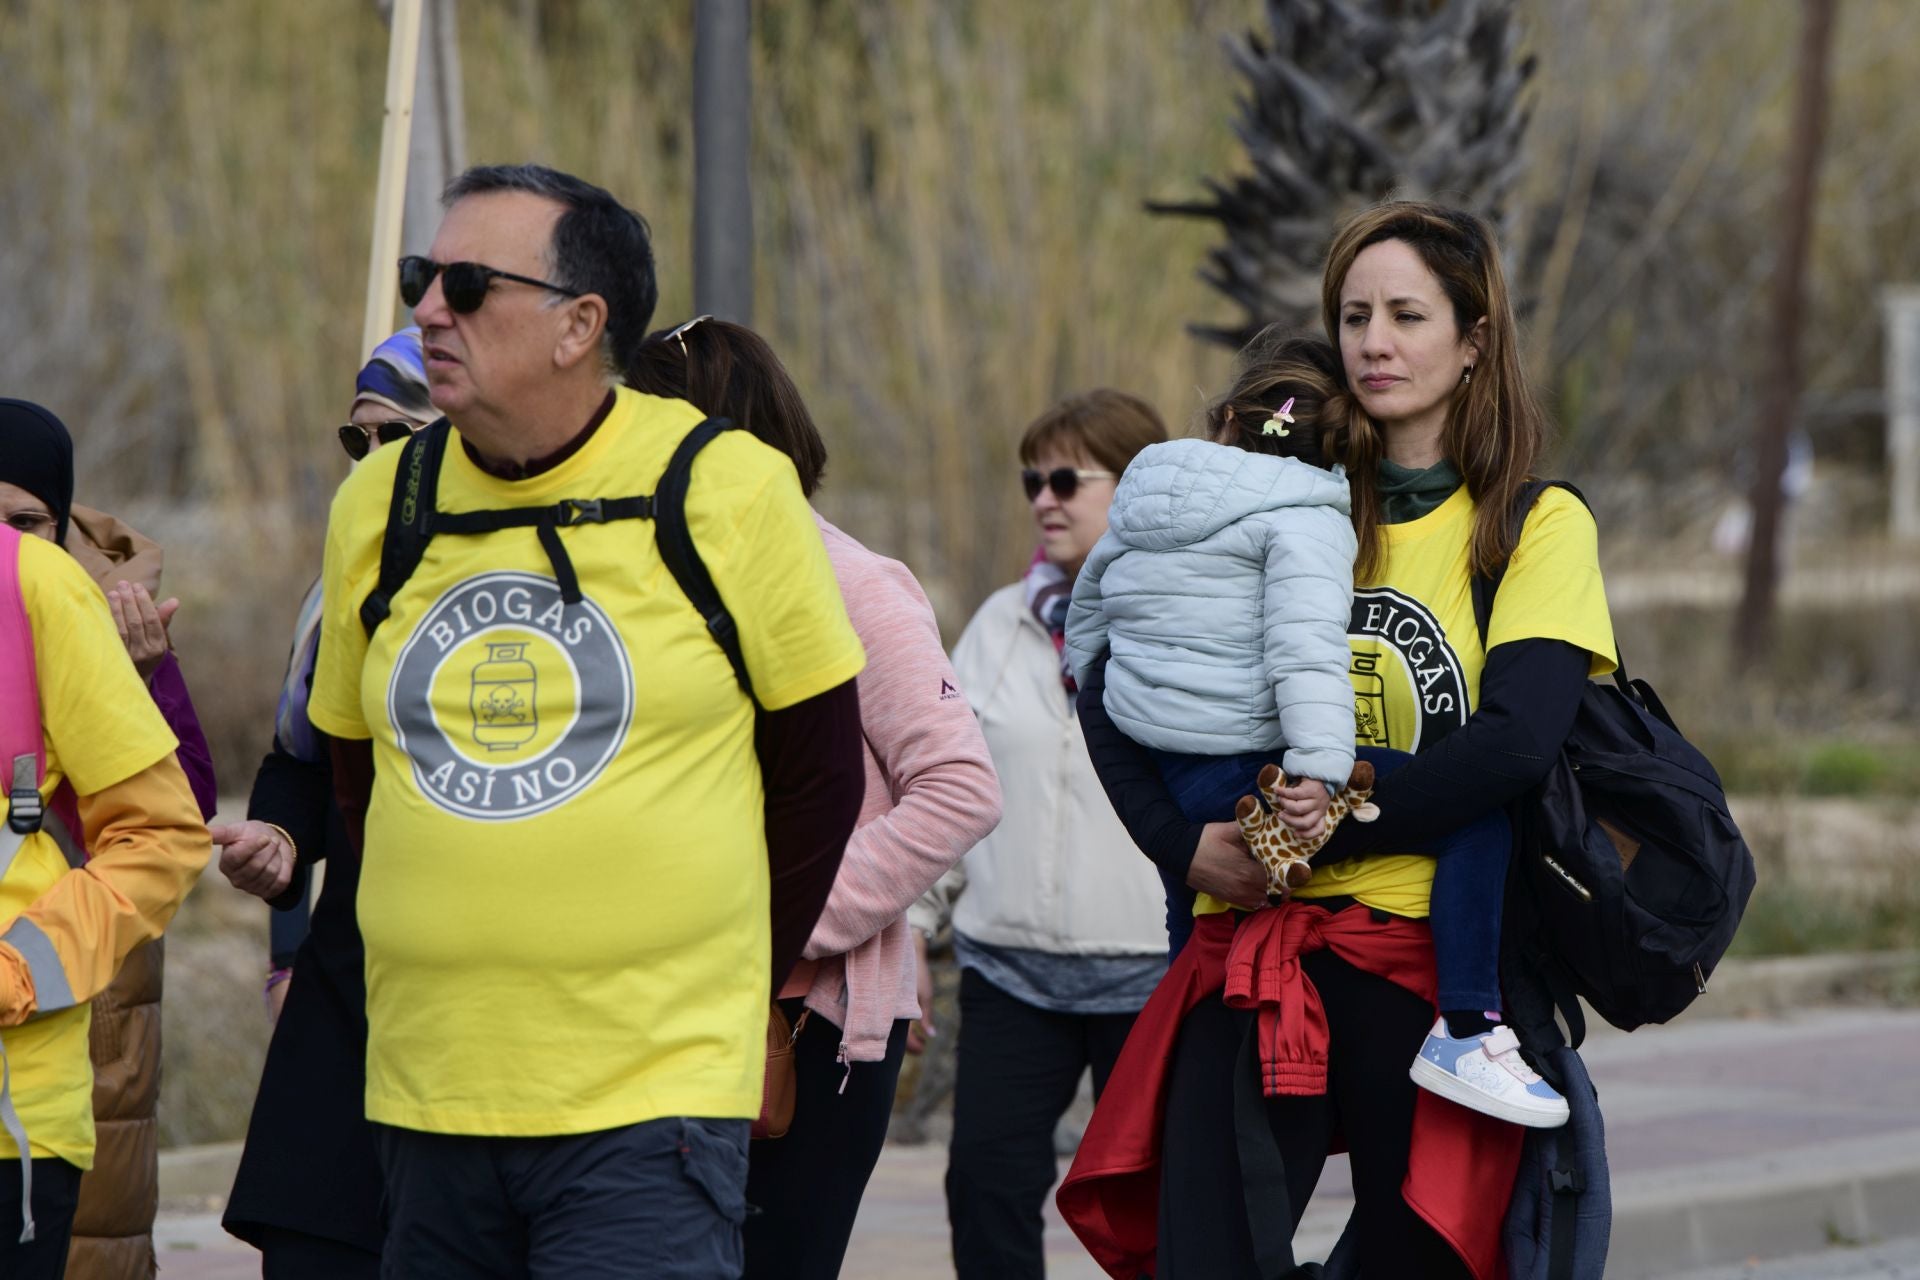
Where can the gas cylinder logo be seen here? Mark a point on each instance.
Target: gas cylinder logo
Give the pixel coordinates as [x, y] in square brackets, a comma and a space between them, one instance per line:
[1409, 689]
[508, 701]
[506, 690]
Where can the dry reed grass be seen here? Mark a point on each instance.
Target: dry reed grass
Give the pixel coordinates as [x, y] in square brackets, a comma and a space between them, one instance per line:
[949, 237]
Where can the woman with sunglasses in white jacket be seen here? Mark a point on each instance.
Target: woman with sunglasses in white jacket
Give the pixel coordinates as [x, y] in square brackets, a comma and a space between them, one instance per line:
[1058, 924]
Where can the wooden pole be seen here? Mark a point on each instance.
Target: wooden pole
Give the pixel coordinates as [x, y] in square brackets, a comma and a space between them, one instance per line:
[390, 195]
[1753, 622]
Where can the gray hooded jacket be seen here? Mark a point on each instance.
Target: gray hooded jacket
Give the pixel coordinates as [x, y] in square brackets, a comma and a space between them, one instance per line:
[1223, 586]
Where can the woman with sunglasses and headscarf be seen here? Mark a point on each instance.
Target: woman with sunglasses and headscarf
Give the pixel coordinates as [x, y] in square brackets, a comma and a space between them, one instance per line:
[307, 1192]
[112, 1222]
[930, 795]
[1058, 926]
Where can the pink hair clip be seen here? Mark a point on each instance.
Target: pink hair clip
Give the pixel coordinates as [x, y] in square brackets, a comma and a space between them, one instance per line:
[1273, 426]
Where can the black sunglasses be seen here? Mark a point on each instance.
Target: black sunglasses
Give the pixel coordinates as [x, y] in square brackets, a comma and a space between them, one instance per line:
[465, 284]
[1064, 481]
[358, 440]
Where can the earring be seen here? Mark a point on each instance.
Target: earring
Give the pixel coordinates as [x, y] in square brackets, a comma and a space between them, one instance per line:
[1466, 376]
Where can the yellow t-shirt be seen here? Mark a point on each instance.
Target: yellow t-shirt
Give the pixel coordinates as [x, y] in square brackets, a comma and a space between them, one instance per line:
[100, 728]
[1417, 654]
[565, 891]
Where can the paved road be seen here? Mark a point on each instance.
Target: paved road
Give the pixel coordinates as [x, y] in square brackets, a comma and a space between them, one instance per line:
[1893, 1260]
[1729, 1139]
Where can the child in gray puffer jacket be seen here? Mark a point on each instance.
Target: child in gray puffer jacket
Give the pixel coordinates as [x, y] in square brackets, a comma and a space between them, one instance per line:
[1223, 588]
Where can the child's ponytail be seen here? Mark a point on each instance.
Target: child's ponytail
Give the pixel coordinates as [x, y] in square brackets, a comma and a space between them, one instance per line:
[1286, 399]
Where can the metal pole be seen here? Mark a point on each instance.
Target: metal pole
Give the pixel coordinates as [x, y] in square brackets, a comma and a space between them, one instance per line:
[722, 135]
[1902, 307]
[390, 195]
[438, 149]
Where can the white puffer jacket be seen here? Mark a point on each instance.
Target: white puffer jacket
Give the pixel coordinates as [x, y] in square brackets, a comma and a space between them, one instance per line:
[1059, 874]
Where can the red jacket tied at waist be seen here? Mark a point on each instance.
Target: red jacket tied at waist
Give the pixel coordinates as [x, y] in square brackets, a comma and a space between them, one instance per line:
[1263, 973]
[1461, 1165]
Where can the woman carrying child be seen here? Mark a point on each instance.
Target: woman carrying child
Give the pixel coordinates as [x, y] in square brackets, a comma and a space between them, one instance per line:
[1335, 990]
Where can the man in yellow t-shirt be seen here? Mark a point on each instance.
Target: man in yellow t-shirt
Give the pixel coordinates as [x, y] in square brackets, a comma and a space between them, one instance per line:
[576, 831]
[66, 922]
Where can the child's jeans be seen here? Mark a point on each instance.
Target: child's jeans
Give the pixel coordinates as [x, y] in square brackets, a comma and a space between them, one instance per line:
[1469, 876]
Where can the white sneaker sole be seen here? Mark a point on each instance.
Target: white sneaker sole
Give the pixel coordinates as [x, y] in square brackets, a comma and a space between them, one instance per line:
[1436, 1079]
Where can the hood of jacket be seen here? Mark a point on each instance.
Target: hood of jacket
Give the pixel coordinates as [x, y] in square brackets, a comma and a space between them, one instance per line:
[1181, 492]
[111, 550]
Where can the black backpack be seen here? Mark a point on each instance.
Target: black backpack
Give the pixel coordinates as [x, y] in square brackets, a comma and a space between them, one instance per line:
[1630, 873]
[412, 522]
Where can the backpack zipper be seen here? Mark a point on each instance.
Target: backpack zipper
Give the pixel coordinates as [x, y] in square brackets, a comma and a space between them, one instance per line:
[1586, 895]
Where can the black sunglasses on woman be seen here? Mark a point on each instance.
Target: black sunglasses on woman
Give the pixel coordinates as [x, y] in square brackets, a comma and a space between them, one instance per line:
[1064, 481]
[357, 439]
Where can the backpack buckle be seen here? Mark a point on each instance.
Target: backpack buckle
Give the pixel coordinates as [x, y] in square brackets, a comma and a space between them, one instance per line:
[1565, 1182]
[572, 511]
[24, 809]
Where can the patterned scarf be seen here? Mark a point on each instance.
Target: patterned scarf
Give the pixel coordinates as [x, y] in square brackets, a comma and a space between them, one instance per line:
[1049, 592]
[291, 728]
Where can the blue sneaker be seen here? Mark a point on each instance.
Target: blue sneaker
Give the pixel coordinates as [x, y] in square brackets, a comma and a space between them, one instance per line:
[1486, 1073]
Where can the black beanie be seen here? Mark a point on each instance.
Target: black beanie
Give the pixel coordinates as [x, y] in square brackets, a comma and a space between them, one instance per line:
[36, 453]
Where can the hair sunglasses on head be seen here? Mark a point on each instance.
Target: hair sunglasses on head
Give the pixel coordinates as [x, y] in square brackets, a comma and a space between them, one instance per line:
[464, 284]
[1064, 481]
[358, 440]
[679, 333]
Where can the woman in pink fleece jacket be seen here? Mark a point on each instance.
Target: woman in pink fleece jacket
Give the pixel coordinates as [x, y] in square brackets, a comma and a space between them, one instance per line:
[931, 795]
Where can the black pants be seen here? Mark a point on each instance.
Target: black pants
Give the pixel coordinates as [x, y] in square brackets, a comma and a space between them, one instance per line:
[56, 1193]
[662, 1199]
[295, 1255]
[804, 1189]
[1017, 1071]
[1375, 1028]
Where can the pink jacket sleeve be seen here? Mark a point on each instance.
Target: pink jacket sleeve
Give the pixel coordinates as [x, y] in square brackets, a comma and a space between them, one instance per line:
[936, 794]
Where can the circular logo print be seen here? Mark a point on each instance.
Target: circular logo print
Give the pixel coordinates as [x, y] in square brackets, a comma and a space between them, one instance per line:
[1409, 689]
[507, 700]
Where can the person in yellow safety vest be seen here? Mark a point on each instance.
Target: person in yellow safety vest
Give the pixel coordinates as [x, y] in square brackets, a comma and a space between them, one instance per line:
[80, 736]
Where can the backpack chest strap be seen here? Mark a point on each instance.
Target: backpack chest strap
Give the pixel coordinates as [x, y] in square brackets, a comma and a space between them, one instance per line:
[412, 522]
[546, 522]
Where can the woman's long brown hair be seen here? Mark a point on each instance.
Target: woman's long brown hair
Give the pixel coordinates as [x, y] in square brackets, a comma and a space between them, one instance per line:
[1495, 430]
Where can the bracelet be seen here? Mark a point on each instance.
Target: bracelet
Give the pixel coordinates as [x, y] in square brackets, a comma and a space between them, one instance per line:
[282, 833]
[274, 978]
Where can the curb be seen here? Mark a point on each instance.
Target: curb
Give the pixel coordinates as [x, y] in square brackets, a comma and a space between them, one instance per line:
[1841, 1193]
[1750, 985]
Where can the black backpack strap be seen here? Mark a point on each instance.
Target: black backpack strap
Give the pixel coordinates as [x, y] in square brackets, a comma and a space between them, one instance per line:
[1263, 1171]
[546, 522]
[409, 519]
[1564, 1184]
[682, 558]
[1484, 586]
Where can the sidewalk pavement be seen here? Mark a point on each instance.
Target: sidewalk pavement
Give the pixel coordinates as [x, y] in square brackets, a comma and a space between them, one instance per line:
[1730, 1140]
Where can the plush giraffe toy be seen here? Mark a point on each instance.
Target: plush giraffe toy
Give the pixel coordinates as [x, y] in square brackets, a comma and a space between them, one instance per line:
[1284, 854]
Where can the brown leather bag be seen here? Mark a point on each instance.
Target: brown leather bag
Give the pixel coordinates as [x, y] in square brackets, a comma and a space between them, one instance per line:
[780, 1088]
